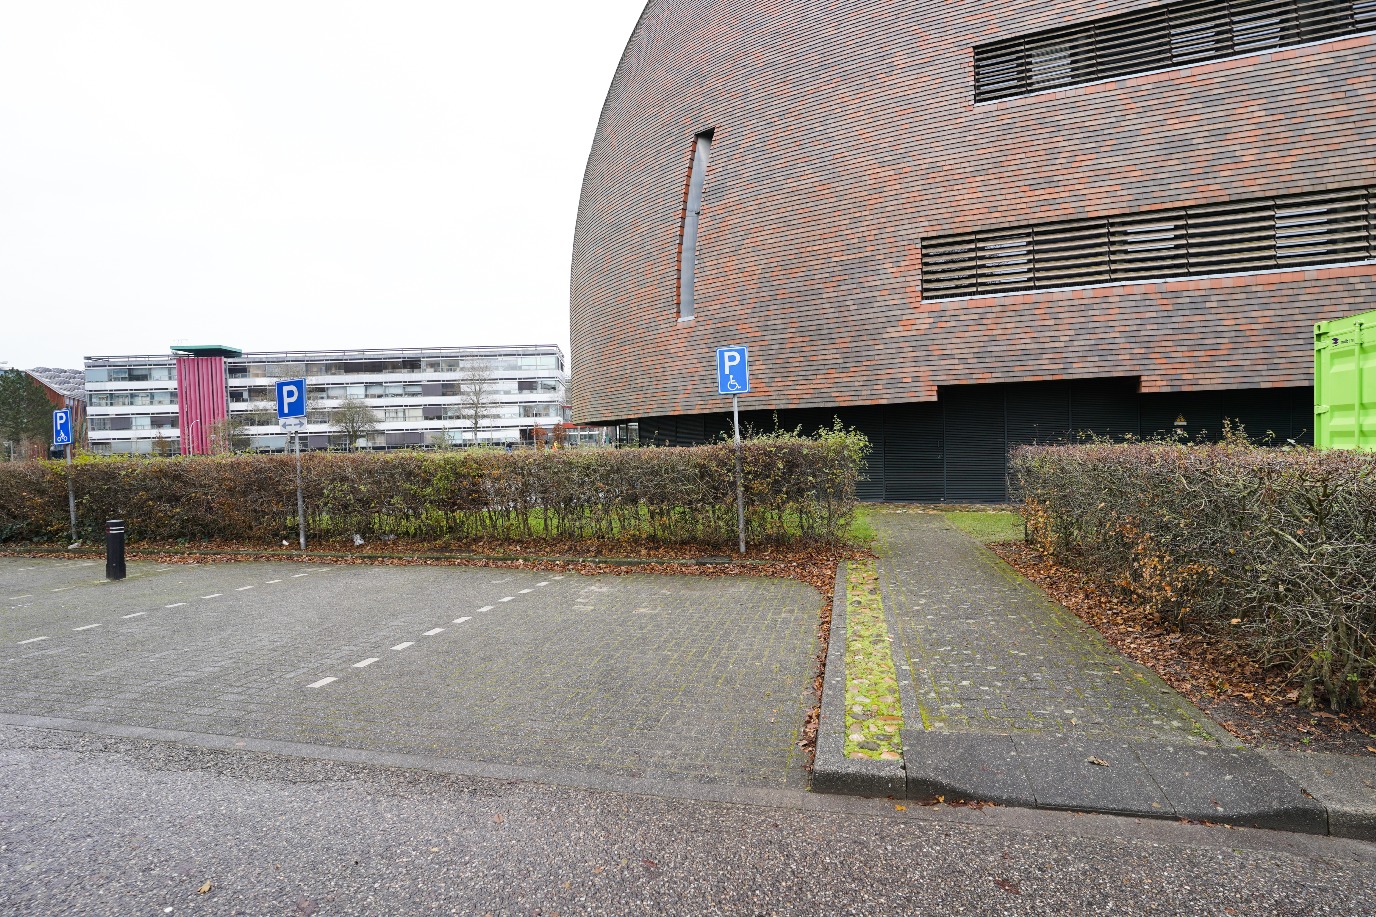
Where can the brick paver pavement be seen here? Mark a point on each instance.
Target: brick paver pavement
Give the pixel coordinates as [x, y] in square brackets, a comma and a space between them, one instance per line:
[654, 676]
[990, 653]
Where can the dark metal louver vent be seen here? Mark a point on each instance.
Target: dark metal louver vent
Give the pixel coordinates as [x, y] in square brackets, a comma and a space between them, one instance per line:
[1170, 35]
[1295, 230]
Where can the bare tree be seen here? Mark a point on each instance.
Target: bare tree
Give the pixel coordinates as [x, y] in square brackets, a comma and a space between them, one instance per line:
[354, 419]
[229, 434]
[477, 394]
[163, 445]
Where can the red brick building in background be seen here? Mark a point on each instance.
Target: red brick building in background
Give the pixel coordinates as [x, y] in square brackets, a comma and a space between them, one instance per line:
[64, 388]
[965, 225]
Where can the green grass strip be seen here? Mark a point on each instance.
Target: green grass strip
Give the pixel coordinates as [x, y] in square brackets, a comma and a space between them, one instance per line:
[988, 528]
[874, 713]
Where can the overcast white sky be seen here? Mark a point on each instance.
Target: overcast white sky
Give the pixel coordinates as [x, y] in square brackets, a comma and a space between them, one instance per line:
[292, 175]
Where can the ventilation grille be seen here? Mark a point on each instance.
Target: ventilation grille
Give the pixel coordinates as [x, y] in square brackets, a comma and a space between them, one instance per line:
[1296, 230]
[1163, 36]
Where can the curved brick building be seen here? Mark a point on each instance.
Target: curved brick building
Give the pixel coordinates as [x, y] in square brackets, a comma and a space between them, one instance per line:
[962, 225]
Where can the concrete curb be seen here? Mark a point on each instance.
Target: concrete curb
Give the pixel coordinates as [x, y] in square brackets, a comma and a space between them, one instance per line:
[832, 771]
[1345, 786]
[1141, 778]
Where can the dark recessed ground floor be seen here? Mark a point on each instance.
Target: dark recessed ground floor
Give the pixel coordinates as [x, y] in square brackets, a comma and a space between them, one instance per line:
[955, 449]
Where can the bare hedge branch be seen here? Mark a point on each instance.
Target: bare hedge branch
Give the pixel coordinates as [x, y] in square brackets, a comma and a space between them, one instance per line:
[1273, 547]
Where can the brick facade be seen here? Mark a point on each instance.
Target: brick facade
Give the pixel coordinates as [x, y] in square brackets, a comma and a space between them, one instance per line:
[846, 132]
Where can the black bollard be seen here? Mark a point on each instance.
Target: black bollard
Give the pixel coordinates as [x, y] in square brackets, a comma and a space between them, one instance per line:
[114, 549]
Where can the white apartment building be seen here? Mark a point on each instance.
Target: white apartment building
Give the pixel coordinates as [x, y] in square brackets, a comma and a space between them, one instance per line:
[174, 403]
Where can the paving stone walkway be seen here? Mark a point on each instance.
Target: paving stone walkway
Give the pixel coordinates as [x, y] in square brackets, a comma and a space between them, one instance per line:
[1009, 697]
[989, 652]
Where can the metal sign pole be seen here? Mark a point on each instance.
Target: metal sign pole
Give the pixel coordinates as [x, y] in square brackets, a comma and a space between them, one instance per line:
[740, 482]
[300, 499]
[71, 492]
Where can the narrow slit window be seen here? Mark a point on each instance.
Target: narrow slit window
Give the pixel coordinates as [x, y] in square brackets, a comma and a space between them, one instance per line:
[702, 147]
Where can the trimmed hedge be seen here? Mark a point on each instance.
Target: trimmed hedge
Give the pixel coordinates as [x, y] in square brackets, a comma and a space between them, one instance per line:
[796, 488]
[1273, 547]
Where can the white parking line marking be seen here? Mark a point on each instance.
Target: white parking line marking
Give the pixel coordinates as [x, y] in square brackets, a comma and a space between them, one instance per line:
[402, 646]
[274, 581]
[486, 608]
[242, 588]
[366, 662]
[524, 591]
[295, 575]
[556, 577]
[174, 605]
[31, 640]
[87, 627]
[213, 595]
[323, 682]
[13, 597]
[507, 599]
[63, 588]
[461, 620]
[431, 633]
[134, 615]
[545, 583]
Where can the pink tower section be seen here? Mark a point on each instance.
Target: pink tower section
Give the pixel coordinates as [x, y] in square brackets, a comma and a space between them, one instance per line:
[202, 401]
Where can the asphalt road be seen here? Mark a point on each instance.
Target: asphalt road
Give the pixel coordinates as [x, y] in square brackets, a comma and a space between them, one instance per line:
[97, 825]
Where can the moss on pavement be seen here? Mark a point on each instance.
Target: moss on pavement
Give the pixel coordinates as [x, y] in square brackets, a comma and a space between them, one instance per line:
[874, 713]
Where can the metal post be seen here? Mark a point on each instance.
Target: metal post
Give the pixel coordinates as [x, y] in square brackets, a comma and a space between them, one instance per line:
[114, 549]
[740, 481]
[300, 499]
[71, 492]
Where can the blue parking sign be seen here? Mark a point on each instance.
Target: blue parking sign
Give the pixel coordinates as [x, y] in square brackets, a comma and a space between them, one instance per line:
[733, 370]
[291, 398]
[62, 428]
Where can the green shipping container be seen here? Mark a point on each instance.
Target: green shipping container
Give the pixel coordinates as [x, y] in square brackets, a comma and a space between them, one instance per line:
[1345, 383]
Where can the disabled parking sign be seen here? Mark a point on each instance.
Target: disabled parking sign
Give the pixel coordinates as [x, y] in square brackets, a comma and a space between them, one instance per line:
[733, 370]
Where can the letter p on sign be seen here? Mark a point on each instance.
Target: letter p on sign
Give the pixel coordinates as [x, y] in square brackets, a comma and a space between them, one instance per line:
[291, 398]
[733, 370]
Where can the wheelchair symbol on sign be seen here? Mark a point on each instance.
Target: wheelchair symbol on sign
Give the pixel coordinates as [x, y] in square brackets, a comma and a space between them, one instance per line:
[733, 371]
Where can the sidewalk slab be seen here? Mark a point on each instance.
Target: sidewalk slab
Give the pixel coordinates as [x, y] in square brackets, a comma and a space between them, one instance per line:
[1344, 785]
[1090, 774]
[1124, 777]
[1234, 785]
[966, 766]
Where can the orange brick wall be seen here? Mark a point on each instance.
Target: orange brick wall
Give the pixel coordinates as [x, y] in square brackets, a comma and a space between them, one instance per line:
[846, 132]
